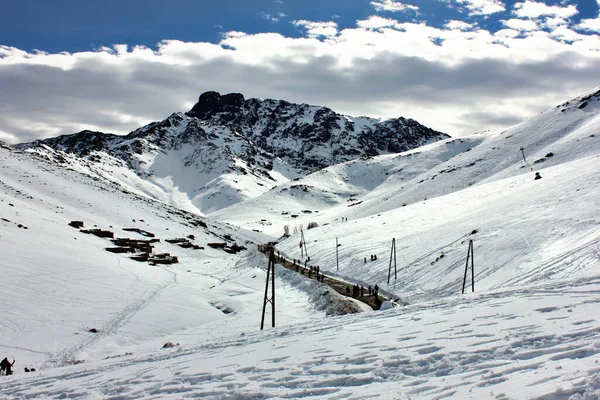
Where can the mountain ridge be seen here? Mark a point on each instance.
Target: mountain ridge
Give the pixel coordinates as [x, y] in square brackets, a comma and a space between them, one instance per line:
[235, 148]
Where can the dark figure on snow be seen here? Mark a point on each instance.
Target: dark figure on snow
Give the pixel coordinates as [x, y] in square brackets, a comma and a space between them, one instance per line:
[376, 290]
[6, 366]
[537, 176]
[374, 257]
[377, 303]
[305, 262]
[362, 291]
[371, 257]
[318, 269]
[365, 260]
[369, 290]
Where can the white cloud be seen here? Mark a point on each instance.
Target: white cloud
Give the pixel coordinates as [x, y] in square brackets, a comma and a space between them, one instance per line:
[458, 79]
[521, 24]
[318, 29]
[553, 23]
[592, 25]
[393, 6]
[534, 9]
[564, 33]
[8, 137]
[480, 7]
[459, 25]
[376, 22]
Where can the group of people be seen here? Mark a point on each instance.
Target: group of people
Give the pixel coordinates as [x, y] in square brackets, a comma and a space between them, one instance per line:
[360, 291]
[6, 366]
[373, 258]
[356, 290]
[320, 277]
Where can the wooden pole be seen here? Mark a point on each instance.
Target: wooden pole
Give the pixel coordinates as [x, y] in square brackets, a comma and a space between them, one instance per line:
[337, 256]
[466, 267]
[271, 274]
[471, 257]
[303, 243]
[472, 267]
[395, 270]
[392, 255]
[273, 292]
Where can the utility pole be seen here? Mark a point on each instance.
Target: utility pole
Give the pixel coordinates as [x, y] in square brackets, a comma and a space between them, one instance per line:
[271, 274]
[337, 256]
[392, 253]
[303, 249]
[472, 258]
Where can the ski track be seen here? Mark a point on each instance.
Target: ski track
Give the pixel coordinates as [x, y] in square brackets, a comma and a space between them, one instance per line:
[68, 356]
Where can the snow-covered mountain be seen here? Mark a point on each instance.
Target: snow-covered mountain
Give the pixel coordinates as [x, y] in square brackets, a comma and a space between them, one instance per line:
[363, 188]
[530, 330]
[228, 149]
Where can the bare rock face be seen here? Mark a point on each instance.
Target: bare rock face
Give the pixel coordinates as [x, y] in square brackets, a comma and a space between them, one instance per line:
[212, 103]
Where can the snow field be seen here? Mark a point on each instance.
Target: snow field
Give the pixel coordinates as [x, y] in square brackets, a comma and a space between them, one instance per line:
[530, 331]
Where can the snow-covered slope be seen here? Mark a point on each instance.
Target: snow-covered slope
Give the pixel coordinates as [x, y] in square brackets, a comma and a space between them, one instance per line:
[59, 283]
[523, 344]
[530, 330]
[366, 187]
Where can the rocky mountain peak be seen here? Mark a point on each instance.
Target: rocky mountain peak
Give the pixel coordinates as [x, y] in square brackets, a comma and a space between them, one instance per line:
[212, 103]
[237, 148]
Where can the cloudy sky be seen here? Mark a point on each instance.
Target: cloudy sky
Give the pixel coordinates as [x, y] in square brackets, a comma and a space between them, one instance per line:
[459, 66]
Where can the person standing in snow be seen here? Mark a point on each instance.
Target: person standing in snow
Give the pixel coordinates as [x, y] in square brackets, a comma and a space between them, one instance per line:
[6, 366]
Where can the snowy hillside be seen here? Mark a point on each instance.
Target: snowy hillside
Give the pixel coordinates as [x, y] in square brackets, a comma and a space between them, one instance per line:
[531, 330]
[363, 188]
[228, 149]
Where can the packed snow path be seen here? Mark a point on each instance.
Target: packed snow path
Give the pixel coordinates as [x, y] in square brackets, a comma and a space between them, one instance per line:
[371, 299]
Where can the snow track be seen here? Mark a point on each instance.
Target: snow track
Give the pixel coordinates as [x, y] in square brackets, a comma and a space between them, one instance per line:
[471, 347]
[69, 355]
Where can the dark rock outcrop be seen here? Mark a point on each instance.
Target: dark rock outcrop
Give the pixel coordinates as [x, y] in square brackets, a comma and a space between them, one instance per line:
[212, 103]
